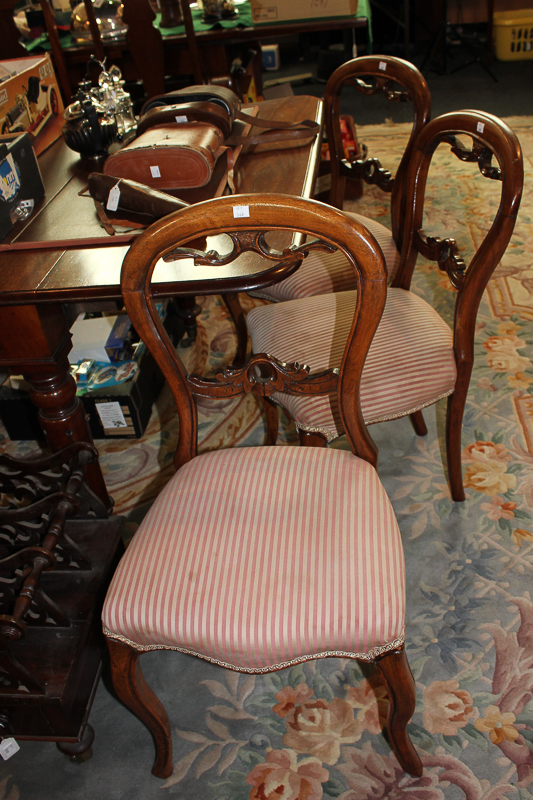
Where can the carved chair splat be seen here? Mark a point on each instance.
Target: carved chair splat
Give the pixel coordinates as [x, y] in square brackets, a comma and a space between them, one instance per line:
[255, 501]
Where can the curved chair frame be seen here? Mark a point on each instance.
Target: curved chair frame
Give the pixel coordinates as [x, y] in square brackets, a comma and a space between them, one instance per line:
[263, 375]
[491, 138]
[399, 81]
[388, 74]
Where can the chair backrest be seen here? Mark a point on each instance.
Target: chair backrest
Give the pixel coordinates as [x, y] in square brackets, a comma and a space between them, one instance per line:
[10, 46]
[491, 140]
[145, 44]
[253, 254]
[398, 81]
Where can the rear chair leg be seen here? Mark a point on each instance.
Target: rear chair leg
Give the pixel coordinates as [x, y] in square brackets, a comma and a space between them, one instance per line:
[239, 320]
[396, 673]
[136, 695]
[418, 423]
[454, 428]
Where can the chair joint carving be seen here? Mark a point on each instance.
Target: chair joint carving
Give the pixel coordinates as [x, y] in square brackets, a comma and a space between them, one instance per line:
[445, 252]
[381, 85]
[263, 375]
[479, 153]
[370, 171]
[248, 241]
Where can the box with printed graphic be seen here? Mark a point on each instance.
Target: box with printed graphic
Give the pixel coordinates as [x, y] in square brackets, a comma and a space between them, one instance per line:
[21, 185]
[30, 100]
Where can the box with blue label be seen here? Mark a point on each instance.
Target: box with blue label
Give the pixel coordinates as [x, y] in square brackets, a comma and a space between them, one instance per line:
[21, 185]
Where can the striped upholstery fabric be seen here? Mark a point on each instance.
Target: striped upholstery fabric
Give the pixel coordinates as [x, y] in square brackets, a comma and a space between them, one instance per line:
[257, 558]
[410, 363]
[322, 273]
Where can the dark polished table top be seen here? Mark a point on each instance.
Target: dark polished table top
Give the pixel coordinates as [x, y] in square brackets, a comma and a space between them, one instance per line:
[48, 268]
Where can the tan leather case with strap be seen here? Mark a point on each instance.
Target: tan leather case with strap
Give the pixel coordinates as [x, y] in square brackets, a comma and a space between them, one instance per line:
[167, 158]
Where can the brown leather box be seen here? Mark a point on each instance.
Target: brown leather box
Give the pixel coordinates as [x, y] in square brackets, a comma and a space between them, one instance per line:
[166, 158]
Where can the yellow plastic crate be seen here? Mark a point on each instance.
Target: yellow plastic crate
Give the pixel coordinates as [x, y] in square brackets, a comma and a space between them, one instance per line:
[513, 34]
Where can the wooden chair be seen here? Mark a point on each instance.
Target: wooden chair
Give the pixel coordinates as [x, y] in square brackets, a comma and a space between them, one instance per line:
[399, 81]
[415, 358]
[261, 509]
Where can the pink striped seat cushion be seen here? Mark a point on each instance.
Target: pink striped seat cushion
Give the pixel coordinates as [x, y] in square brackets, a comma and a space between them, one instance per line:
[410, 363]
[322, 273]
[258, 558]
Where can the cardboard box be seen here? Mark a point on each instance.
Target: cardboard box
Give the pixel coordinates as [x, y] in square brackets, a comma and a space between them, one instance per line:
[120, 411]
[30, 100]
[123, 410]
[270, 56]
[21, 185]
[101, 338]
[266, 12]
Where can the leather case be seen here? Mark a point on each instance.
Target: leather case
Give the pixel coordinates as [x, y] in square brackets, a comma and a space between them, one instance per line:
[183, 113]
[167, 158]
[220, 107]
[220, 95]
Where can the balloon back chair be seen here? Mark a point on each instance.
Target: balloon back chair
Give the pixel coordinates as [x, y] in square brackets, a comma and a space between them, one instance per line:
[258, 558]
[415, 359]
[399, 81]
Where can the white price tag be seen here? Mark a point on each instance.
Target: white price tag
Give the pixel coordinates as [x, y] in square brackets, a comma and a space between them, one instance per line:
[241, 211]
[480, 127]
[111, 415]
[181, 118]
[156, 173]
[8, 748]
[383, 66]
[114, 197]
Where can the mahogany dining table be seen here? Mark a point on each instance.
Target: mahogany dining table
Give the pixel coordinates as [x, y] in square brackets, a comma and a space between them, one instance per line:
[61, 256]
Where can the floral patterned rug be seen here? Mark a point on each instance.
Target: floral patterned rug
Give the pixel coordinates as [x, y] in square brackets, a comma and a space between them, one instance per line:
[314, 731]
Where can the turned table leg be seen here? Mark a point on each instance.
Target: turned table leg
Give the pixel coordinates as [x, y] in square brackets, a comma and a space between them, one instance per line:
[35, 342]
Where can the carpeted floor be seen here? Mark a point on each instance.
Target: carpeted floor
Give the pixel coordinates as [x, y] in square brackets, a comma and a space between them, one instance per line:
[469, 567]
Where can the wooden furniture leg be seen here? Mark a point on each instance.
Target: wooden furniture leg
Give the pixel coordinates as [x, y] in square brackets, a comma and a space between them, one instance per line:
[312, 439]
[136, 695]
[79, 751]
[188, 309]
[396, 673]
[418, 423]
[454, 428]
[35, 341]
[237, 314]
